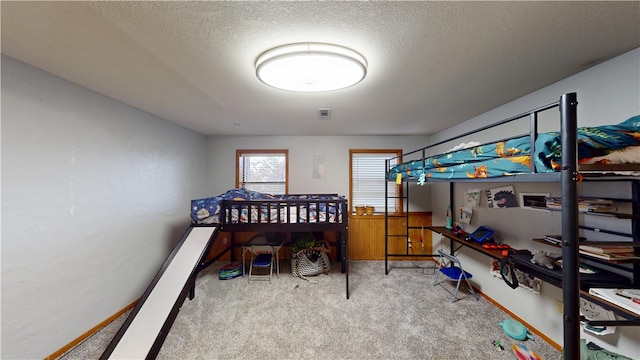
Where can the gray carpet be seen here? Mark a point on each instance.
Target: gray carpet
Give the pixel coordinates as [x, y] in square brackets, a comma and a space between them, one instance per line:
[396, 316]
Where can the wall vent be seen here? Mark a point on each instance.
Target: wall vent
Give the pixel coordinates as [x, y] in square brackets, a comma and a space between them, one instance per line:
[324, 113]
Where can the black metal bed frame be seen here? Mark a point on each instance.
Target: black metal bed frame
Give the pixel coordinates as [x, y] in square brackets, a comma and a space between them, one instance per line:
[287, 221]
[569, 178]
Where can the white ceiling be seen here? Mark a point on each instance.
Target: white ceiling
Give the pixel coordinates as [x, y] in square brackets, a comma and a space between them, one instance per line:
[431, 64]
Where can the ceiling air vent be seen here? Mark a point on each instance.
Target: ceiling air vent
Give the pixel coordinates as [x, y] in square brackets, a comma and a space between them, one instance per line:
[324, 113]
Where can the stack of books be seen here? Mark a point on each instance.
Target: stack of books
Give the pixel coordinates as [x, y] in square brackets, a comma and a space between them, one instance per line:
[553, 203]
[597, 205]
[606, 252]
[584, 204]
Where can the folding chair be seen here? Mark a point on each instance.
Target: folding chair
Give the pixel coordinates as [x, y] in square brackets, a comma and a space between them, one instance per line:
[262, 256]
[269, 239]
[451, 268]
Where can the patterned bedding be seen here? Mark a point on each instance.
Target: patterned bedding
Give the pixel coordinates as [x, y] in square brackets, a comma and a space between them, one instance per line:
[246, 206]
[602, 144]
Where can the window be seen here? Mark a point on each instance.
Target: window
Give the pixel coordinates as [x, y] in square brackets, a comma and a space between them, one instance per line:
[265, 171]
[367, 168]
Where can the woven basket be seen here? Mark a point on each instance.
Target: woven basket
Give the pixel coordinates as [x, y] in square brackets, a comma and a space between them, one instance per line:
[360, 210]
[310, 262]
[369, 210]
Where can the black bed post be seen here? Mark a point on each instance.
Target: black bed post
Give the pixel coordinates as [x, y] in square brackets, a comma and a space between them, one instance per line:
[386, 221]
[344, 235]
[570, 257]
[451, 205]
[533, 135]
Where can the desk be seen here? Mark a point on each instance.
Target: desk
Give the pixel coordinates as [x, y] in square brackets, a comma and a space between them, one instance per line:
[588, 280]
[261, 240]
[494, 253]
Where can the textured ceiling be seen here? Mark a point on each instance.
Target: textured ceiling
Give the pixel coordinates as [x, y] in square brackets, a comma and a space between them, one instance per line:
[431, 64]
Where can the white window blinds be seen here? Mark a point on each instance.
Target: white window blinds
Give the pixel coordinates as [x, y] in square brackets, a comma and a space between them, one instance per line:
[265, 173]
[368, 181]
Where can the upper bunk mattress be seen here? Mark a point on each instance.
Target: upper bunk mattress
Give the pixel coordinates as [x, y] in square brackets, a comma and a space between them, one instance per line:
[604, 144]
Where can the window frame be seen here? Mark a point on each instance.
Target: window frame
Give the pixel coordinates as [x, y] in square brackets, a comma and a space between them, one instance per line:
[244, 152]
[398, 154]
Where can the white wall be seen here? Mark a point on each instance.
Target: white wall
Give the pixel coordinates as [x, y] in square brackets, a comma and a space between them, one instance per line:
[95, 194]
[608, 93]
[222, 154]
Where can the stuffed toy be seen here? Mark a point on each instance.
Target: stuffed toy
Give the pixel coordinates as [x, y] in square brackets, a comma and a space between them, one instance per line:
[543, 259]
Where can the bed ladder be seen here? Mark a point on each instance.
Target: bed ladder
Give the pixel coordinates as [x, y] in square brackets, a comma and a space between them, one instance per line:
[400, 234]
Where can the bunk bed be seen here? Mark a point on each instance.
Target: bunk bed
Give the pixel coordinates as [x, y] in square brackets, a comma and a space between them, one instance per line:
[535, 157]
[242, 210]
[608, 144]
[238, 210]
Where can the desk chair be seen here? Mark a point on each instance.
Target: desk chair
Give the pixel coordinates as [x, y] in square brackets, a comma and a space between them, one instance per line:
[451, 268]
[262, 256]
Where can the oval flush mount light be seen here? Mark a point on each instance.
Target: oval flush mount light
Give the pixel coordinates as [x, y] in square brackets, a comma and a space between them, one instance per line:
[311, 67]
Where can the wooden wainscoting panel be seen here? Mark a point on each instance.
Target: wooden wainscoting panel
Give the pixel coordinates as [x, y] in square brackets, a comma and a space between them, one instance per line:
[366, 235]
[398, 243]
[222, 242]
[421, 220]
[330, 236]
[242, 237]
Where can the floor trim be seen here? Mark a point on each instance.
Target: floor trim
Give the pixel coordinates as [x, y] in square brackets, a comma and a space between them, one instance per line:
[531, 328]
[89, 333]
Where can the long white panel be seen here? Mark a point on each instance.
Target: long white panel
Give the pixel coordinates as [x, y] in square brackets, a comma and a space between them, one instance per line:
[145, 327]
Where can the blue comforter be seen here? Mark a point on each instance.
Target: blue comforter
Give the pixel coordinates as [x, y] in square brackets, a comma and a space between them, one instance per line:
[512, 157]
[207, 210]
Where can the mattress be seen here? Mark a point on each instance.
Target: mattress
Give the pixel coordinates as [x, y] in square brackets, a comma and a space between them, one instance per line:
[246, 206]
[603, 144]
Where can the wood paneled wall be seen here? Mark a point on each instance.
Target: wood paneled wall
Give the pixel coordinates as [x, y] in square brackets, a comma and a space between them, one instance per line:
[220, 244]
[366, 238]
[366, 235]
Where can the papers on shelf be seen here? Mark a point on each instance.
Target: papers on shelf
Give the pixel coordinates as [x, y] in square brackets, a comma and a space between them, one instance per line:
[595, 312]
[557, 239]
[553, 239]
[612, 256]
[525, 280]
[628, 299]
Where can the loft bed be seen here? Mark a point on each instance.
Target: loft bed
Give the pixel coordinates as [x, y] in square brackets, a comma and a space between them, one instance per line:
[609, 144]
[241, 210]
[606, 150]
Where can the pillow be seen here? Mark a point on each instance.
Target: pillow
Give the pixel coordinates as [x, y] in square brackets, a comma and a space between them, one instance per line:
[628, 155]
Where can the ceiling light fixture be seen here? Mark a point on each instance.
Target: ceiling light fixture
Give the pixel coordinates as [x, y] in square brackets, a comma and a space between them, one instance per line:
[311, 67]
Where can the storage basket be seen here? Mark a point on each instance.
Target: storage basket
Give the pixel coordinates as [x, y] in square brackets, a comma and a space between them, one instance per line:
[310, 262]
[360, 210]
[369, 210]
